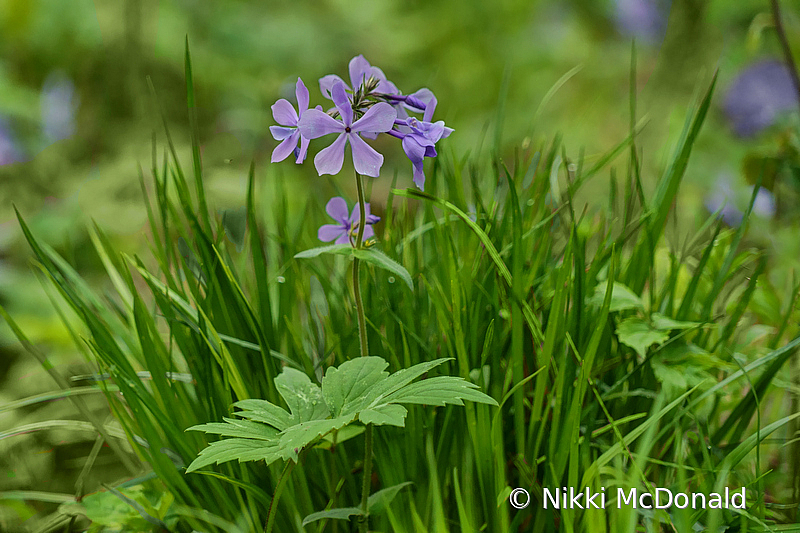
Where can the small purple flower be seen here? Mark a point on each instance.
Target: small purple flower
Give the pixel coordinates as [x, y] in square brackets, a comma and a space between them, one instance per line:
[722, 197]
[420, 138]
[59, 105]
[8, 148]
[378, 119]
[347, 225]
[288, 132]
[645, 20]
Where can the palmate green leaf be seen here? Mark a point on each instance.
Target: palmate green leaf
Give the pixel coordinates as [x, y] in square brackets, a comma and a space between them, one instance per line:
[385, 415]
[360, 389]
[297, 437]
[622, 298]
[303, 397]
[264, 412]
[238, 428]
[345, 388]
[639, 335]
[239, 449]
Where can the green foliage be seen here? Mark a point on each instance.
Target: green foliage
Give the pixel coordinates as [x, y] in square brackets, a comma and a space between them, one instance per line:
[368, 255]
[628, 353]
[359, 389]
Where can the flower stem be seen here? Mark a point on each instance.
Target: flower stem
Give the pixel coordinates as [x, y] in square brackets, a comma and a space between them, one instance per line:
[365, 485]
[362, 323]
[363, 523]
[273, 505]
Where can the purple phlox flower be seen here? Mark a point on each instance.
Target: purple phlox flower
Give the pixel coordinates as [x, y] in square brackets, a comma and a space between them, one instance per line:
[645, 20]
[8, 148]
[420, 138]
[378, 119]
[347, 226]
[360, 72]
[59, 106]
[288, 132]
[764, 204]
[758, 96]
[722, 195]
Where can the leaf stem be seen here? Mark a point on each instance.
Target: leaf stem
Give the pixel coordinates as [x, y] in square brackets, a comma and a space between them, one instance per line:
[363, 520]
[273, 506]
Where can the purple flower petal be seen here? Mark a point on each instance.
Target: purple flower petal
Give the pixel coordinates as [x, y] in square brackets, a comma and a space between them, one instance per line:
[316, 123]
[413, 150]
[378, 119]
[329, 160]
[342, 103]
[430, 105]
[344, 239]
[280, 133]
[301, 155]
[329, 232]
[337, 209]
[419, 175]
[355, 216]
[285, 148]
[385, 86]
[365, 159]
[368, 233]
[301, 92]
[436, 131]
[284, 113]
[359, 70]
[326, 83]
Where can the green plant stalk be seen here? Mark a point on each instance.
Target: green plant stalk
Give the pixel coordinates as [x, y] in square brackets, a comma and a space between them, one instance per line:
[362, 335]
[365, 484]
[362, 324]
[273, 506]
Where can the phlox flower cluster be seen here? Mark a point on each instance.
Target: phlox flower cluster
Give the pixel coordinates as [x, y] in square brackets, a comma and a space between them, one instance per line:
[363, 109]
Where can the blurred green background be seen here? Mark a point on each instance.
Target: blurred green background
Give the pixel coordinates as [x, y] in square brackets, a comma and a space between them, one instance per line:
[77, 119]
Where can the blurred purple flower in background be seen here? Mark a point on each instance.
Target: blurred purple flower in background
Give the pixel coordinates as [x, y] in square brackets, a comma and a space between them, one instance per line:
[764, 206]
[9, 153]
[646, 20]
[758, 96]
[59, 104]
[723, 194]
[347, 225]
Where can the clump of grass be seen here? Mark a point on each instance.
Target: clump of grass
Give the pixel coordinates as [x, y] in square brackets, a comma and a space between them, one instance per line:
[614, 356]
